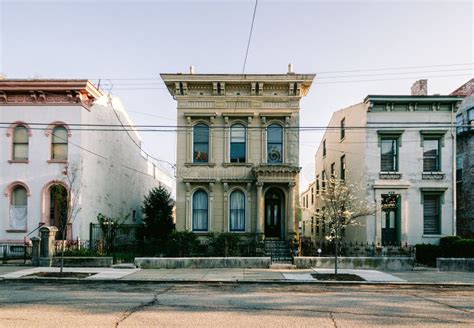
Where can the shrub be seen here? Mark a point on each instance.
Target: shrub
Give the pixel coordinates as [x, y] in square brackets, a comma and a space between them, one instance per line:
[182, 243]
[224, 244]
[462, 248]
[446, 244]
[427, 254]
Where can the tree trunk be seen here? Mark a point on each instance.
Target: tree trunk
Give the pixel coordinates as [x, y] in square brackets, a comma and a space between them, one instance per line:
[62, 254]
[336, 246]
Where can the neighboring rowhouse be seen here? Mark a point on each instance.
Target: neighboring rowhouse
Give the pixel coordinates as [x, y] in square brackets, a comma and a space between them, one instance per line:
[237, 152]
[42, 134]
[308, 219]
[398, 152]
[465, 160]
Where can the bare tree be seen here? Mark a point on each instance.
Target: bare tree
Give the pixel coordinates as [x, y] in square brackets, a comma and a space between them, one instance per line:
[71, 181]
[341, 204]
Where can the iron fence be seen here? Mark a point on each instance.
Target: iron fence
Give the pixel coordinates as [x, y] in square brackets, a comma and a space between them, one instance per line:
[15, 252]
[309, 247]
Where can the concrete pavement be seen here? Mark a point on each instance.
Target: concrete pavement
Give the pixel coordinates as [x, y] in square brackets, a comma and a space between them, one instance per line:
[10, 273]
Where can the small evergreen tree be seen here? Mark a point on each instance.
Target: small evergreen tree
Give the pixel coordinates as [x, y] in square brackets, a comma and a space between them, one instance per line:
[158, 214]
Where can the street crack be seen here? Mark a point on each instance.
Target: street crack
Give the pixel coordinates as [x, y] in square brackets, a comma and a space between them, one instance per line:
[331, 315]
[441, 303]
[141, 307]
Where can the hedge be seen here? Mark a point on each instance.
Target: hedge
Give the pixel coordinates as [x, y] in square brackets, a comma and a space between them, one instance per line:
[452, 246]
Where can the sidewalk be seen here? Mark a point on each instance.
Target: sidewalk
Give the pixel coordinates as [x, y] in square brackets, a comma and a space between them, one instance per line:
[19, 273]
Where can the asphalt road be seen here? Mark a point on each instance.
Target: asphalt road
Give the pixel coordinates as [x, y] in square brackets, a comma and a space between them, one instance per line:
[232, 305]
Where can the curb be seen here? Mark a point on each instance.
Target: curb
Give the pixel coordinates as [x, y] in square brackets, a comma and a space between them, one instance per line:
[232, 282]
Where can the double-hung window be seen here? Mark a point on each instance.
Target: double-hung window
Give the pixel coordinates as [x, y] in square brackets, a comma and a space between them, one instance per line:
[237, 144]
[389, 154]
[237, 211]
[275, 144]
[201, 143]
[200, 211]
[431, 214]
[431, 155]
[20, 143]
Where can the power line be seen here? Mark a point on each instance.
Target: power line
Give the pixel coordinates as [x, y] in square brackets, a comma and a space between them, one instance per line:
[393, 68]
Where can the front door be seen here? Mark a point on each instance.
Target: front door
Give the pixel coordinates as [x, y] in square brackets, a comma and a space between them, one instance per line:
[390, 219]
[273, 213]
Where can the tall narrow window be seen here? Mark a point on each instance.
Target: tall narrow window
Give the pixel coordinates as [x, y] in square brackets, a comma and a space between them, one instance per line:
[333, 170]
[237, 143]
[312, 196]
[317, 185]
[59, 144]
[431, 155]
[237, 211]
[18, 208]
[324, 147]
[343, 128]
[323, 180]
[200, 211]
[201, 143]
[343, 167]
[389, 154]
[431, 214]
[275, 144]
[20, 143]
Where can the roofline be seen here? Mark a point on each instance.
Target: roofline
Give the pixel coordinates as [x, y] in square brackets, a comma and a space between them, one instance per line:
[444, 98]
[50, 84]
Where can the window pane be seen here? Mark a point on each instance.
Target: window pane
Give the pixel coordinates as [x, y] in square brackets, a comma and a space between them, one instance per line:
[275, 134]
[431, 215]
[201, 133]
[275, 153]
[237, 211]
[237, 152]
[388, 155]
[20, 151]
[59, 151]
[237, 133]
[19, 196]
[60, 135]
[20, 135]
[201, 151]
[430, 155]
[200, 211]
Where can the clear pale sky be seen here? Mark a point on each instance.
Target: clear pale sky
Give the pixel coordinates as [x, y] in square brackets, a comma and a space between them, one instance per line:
[140, 39]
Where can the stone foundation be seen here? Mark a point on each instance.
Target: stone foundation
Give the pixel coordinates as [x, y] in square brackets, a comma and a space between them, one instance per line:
[202, 262]
[375, 263]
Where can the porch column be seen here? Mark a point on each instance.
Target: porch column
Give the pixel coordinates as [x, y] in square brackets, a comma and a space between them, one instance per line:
[187, 212]
[260, 208]
[291, 210]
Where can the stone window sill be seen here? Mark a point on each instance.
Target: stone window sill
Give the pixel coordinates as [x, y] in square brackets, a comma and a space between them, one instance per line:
[57, 161]
[433, 176]
[14, 230]
[15, 161]
[390, 175]
[237, 164]
[200, 164]
[432, 236]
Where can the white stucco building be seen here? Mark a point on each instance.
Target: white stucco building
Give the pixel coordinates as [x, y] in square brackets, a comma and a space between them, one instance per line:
[307, 206]
[42, 132]
[399, 152]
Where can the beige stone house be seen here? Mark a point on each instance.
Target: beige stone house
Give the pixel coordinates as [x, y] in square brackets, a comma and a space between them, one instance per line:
[308, 209]
[238, 152]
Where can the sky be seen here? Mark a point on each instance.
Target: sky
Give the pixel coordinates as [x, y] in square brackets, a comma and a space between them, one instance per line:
[127, 44]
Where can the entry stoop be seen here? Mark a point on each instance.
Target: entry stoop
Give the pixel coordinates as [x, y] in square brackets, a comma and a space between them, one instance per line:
[279, 251]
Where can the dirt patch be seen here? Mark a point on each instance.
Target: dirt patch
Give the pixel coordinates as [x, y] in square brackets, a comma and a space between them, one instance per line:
[79, 275]
[336, 277]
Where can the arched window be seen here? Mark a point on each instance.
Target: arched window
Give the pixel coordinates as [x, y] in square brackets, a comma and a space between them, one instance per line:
[18, 208]
[200, 211]
[237, 143]
[59, 143]
[237, 211]
[20, 143]
[201, 143]
[275, 144]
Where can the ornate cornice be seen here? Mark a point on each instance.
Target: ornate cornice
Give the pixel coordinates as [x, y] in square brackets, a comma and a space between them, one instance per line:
[48, 92]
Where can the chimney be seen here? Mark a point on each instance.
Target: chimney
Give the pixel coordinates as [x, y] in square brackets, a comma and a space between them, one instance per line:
[191, 69]
[420, 88]
[290, 69]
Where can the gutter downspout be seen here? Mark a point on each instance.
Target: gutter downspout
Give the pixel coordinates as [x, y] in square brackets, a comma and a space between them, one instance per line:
[453, 173]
